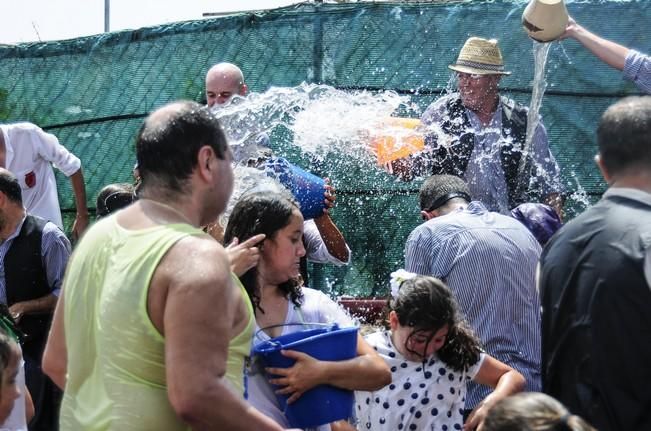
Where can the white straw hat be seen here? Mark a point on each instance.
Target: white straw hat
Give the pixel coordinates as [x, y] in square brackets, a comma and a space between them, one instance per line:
[481, 57]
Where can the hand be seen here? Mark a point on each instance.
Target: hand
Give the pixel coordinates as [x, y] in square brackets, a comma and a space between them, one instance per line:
[570, 29]
[245, 256]
[297, 379]
[17, 311]
[79, 225]
[476, 418]
[330, 195]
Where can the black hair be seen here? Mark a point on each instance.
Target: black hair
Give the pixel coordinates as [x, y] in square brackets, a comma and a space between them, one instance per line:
[624, 133]
[114, 197]
[532, 411]
[427, 304]
[10, 186]
[437, 190]
[265, 213]
[167, 147]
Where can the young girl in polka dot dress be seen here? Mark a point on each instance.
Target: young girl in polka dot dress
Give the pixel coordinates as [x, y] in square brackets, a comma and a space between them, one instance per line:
[432, 354]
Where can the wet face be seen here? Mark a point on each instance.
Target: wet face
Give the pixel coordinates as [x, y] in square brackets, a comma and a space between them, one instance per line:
[477, 91]
[221, 87]
[416, 344]
[10, 390]
[281, 254]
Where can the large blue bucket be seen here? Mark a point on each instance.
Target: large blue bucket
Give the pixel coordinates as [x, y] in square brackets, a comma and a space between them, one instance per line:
[322, 404]
[307, 188]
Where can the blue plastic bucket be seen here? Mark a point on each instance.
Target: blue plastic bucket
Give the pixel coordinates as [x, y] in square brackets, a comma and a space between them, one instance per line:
[322, 404]
[307, 188]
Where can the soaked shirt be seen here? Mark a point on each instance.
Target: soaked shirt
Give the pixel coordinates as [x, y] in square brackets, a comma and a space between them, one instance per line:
[484, 174]
[637, 68]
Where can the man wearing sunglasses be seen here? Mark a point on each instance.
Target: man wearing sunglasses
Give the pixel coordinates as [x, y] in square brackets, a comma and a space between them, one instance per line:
[479, 135]
[489, 261]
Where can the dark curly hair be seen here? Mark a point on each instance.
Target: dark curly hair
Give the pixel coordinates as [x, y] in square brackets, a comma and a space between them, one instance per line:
[265, 213]
[427, 305]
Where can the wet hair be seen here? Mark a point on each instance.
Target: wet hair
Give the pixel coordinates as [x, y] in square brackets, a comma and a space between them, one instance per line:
[114, 197]
[265, 213]
[167, 147]
[437, 190]
[10, 186]
[623, 135]
[427, 305]
[532, 411]
[541, 220]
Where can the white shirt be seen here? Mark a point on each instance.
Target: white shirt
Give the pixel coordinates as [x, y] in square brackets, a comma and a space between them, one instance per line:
[30, 154]
[317, 308]
[315, 249]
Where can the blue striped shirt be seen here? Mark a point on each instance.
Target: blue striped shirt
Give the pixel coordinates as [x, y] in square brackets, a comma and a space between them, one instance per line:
[637, 68]
[489, 261]
[55, 251]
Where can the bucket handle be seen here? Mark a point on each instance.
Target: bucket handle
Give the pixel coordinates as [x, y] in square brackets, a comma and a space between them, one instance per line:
[257, 336]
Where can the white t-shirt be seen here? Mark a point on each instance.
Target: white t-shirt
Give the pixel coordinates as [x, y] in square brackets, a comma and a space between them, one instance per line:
[315, 249]
[317, 308]
[30, 154]
[421, 396]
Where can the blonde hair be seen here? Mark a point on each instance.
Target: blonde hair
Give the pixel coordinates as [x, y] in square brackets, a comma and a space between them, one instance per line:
[533, 411]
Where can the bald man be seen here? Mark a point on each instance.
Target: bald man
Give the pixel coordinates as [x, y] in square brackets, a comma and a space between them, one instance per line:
[223, 81]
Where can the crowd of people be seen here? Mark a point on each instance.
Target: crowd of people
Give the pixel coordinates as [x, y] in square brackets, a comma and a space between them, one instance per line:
[503, 319]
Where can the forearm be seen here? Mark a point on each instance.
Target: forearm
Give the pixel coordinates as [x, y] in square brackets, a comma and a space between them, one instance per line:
[362, 373]
[332, 238]
[38, 305]
[509, 383]
[79, 190]
[609, 52]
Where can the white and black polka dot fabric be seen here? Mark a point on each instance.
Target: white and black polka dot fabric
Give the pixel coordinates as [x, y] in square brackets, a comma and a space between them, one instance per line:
[421, 396]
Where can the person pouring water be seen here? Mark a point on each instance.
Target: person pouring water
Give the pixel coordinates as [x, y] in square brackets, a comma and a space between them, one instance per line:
[479, 135]
[283, 306]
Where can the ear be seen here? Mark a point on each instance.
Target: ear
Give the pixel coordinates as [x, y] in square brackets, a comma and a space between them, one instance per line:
[205, 158]
[425, 215]
[393, 320]
[602, 167]
[243, 90]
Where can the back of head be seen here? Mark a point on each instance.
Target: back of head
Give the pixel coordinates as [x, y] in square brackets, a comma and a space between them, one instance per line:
[114, 197]
[532, 411]
[169, 141]
[437, 190]
[541, 220]
[624, 134]
[10, 186]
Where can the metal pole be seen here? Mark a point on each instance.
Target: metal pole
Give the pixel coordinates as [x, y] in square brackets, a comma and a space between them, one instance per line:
[107, 15]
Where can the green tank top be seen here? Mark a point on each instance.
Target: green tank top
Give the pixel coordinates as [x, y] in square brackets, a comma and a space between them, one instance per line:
[116, 357]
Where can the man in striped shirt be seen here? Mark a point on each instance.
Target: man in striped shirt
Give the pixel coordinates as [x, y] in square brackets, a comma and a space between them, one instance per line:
[34, 253]
[489, 261]
[634, 65]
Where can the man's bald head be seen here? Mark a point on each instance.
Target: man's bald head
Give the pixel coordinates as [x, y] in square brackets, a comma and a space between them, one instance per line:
[223, 81]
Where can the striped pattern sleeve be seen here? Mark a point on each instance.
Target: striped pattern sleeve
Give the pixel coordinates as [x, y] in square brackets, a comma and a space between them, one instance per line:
[637, 68]
[55, 252]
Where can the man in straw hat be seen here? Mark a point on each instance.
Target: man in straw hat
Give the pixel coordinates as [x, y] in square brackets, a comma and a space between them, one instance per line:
[479, 135]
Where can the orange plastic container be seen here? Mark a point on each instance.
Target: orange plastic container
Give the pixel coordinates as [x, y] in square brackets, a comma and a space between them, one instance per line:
[395, 138]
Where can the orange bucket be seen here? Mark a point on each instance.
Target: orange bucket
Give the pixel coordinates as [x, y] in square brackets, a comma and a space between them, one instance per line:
[396, 138]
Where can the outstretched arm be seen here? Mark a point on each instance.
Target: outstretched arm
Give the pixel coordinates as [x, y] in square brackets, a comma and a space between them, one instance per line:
[609, 52]
[79, 189]
[366, 372]
[500, 376]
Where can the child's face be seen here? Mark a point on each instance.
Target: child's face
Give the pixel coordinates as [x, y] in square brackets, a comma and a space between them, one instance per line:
[416, 345]
[10, 390]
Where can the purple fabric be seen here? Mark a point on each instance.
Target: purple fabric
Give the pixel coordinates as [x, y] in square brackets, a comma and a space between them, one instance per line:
[540, 219]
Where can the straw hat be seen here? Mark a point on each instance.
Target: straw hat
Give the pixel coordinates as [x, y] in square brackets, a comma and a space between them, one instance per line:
[481, 57]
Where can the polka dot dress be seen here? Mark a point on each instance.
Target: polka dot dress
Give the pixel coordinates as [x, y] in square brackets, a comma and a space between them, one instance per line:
[421, 396]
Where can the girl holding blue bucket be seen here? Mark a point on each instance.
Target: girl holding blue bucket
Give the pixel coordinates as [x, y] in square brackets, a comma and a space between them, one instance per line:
[283, 306]
[432, 354]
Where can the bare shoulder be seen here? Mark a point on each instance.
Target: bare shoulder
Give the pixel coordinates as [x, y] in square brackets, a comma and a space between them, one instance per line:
[196, 258]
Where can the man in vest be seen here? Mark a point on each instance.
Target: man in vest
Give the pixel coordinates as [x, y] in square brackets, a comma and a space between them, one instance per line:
[595, 284]
[29, 153]
[489, 261]
[33, 257]
[478, 135]
[152, 330]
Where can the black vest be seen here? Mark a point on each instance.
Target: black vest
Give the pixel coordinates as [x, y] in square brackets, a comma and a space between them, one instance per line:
[25, 279]
[596, 321]
[453, 159]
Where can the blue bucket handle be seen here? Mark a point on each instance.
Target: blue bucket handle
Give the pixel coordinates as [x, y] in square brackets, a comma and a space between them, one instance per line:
[272, 345]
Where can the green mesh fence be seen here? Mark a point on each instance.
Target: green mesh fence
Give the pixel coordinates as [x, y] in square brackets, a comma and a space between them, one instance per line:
[93, 93]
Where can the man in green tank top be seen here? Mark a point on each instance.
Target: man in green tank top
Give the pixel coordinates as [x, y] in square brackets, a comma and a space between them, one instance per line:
[150, 332]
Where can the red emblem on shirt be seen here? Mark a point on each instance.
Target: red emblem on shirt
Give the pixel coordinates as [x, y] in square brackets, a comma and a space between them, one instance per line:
[30, 179]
